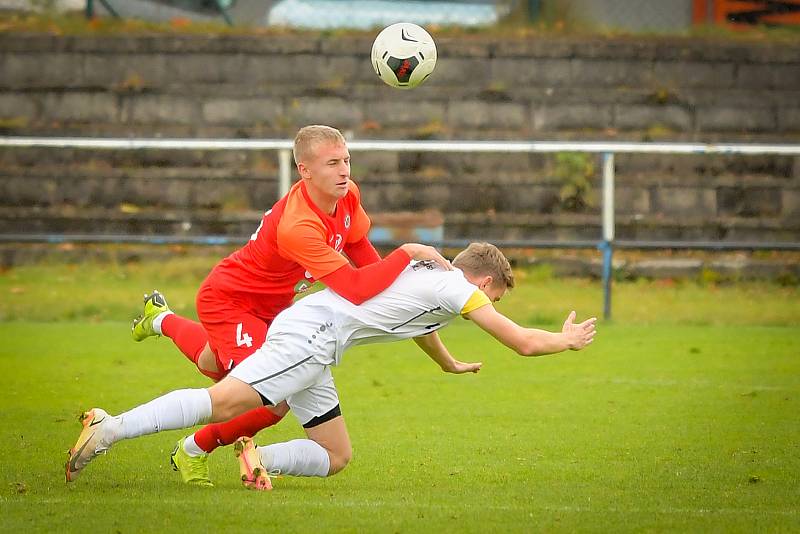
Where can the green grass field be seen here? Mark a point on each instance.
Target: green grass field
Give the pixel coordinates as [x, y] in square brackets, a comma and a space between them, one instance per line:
[681, 417]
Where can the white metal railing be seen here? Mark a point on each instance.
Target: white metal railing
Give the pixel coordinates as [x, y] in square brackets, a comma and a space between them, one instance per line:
[284, 147]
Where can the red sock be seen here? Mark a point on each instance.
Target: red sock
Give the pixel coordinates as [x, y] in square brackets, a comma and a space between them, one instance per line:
[248, 424]
[189, 336]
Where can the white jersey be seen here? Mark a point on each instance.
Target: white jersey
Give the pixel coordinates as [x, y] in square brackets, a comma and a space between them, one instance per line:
[308, 337]
[422, 299]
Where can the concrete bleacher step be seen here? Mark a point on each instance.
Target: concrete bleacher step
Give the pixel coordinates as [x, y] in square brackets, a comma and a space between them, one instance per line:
[133, 220]
[718, 198]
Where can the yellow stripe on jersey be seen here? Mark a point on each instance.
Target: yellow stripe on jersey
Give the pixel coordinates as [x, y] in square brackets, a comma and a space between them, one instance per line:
[477, 300]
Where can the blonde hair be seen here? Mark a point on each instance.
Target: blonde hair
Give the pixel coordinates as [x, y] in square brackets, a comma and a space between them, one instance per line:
[309, 136]
[484, 258]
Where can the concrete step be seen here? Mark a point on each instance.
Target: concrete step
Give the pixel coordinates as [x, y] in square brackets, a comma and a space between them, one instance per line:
[709, 268]
[252, 184]
[461, 115]
[132, 220]
[651, 169]
[373, 169]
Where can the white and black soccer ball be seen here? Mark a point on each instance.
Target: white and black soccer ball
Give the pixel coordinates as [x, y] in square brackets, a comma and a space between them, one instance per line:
[403, 55]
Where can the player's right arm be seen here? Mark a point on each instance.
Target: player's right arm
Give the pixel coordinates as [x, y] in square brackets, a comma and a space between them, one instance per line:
[304, 242]
[361, 284]
[361, 252]
[533, 341]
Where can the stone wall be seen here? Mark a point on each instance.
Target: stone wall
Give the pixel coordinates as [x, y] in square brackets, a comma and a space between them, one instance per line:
[483, 88]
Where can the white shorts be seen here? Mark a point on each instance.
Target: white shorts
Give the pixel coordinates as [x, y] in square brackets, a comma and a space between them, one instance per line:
[295, 367]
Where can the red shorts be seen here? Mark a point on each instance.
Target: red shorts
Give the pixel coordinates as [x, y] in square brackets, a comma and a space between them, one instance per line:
[236, 323]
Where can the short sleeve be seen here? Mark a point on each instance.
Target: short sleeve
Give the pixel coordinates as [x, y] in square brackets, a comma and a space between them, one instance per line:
[456, 294]
[477, 300]
[305, 244]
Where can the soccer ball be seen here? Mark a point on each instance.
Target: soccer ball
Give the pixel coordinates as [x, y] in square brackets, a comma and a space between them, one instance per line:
[403, 55]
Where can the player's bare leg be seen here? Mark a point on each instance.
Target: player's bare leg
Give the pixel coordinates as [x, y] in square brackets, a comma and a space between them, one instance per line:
[333, 437]
[231, 397]
[207, 362]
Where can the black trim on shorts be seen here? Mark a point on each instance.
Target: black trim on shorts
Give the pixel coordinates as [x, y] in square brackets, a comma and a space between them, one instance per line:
[336, 411]
[265, 400]
[301, 362]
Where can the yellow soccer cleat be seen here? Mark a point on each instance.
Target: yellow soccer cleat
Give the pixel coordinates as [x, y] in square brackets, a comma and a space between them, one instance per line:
[154, 305]
[94, 440]
[254, 475]
[193, 469]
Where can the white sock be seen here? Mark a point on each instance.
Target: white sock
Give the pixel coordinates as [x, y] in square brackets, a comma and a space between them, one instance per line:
[178, 409]
[191, 447]
[299, 457]
[157, 321]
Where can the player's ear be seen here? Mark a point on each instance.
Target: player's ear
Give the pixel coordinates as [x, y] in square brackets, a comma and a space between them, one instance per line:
[486, 281]
[303, 170]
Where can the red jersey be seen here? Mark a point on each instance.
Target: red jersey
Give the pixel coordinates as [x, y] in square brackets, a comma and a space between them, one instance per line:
[295, 244]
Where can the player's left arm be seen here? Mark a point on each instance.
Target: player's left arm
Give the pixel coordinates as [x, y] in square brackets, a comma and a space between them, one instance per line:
[432, 345]
[533, 341]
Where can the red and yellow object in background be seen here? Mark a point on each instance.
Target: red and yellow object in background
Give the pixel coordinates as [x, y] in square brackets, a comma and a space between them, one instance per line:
[744, 13]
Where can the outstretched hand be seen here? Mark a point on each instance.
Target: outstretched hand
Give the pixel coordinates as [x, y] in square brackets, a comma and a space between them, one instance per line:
[579, 334]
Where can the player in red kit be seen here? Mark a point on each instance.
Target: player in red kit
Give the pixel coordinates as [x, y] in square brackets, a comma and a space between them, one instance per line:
[312, 233]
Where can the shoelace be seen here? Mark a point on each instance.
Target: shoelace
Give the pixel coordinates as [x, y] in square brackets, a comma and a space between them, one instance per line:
[274, 473]
[271, 474]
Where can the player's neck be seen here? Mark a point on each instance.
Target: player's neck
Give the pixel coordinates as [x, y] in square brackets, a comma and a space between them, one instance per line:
[325, 203]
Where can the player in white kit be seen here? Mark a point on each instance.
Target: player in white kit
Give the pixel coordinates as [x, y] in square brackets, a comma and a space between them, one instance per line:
[308, 338]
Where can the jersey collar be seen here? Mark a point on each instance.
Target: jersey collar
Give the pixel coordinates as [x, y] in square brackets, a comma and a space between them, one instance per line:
[315, 208]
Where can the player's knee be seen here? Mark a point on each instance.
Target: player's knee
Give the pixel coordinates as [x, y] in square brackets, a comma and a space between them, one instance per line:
[207, 364]
[339, 459]
[223, 406]
[223, 410]
[281, 409]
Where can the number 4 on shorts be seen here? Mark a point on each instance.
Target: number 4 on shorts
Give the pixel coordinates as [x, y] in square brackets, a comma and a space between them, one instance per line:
[243, 338]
